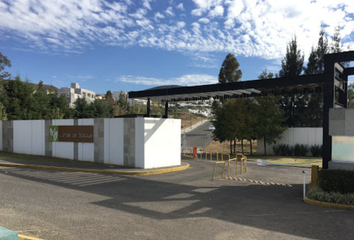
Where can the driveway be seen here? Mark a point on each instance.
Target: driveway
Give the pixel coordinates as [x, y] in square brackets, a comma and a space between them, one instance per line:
[178, 205]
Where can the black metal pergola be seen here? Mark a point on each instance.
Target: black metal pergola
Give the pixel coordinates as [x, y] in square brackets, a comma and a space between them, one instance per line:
[333, 83]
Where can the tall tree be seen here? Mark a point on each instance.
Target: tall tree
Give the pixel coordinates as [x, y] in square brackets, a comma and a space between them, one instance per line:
[4, 62]
[3, 115]
[292, 63]
[18, 100]
[291, 66]
[109, 95]
[270, 119]
[336, 46]
[229, 71]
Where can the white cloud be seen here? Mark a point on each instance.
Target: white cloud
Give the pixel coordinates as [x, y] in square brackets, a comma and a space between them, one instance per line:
[158, 16]
[249, 28]
[169, 11]
[180, 7]
[204, 20]
[218, 11]
[185, 80]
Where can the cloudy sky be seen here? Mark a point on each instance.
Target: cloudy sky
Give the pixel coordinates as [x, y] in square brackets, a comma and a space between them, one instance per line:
[133, 45]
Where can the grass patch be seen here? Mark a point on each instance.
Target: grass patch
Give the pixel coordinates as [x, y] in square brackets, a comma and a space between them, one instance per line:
[316, 193]
[289, 160]
[42, 159]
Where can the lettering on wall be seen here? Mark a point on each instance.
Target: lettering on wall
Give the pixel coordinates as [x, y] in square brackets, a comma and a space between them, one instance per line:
[71, 134]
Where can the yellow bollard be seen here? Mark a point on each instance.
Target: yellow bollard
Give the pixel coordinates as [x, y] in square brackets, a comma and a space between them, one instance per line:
[314, 175]
[223, 169]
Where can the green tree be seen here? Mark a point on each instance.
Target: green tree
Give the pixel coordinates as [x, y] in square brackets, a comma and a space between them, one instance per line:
[4, 62]
[292, 66]
[229, 71]
[122, 107]
[336, 46]
[109, 95]
[269, 120]
[18, 100]
[292, 63]
[3, 115]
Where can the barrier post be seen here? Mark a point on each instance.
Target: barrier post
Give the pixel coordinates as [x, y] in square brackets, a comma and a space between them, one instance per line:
[194, 151]
[314, 175]
[223, 169]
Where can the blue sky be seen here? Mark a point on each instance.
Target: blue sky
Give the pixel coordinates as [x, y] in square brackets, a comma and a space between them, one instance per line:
[133, 45]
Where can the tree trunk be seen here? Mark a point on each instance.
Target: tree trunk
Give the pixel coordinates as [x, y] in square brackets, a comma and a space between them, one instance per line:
[235, 145]
[251, 147]
[265, 149]
[231, 147]
[242, 146]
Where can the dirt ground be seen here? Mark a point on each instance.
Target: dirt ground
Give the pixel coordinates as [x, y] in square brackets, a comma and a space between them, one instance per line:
[225, 147]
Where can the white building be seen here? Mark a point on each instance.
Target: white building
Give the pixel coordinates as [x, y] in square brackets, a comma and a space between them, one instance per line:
[75, 92]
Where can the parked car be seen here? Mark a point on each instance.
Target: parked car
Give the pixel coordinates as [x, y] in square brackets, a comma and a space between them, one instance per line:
[211, 127]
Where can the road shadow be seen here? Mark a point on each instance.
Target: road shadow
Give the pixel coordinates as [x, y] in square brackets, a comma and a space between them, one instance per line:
[190, 194]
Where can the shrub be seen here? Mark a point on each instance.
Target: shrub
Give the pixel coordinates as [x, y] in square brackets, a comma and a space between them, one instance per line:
[276, 150]
[316, 193]
[289, 150]
[316, 150]
[336, 180]
[300, 150]
[282, 149]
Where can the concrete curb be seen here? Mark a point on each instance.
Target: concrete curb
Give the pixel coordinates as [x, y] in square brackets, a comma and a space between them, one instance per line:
[139, 173]
[326, 204]
[28, 238]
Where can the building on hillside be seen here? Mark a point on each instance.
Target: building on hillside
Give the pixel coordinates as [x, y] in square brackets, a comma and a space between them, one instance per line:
[75, 92]
[100, 96]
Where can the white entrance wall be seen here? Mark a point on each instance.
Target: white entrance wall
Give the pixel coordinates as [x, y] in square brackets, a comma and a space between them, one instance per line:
[141, 142]
[292, 136]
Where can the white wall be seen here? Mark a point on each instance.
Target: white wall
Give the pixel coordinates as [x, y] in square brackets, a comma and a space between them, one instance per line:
[157, 141]
[113, 139]
[63, 149]
[86, 151]
[162, 142]
[292, 136]
[29, 137]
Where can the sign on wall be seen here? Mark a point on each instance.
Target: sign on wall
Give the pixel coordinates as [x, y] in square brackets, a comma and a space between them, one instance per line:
[71, 134]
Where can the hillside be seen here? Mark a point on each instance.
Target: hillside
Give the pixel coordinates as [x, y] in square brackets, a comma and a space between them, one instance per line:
[49, 88]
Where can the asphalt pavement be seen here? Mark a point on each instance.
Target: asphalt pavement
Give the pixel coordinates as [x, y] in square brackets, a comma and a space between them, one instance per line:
[52, 204]
[200, 136]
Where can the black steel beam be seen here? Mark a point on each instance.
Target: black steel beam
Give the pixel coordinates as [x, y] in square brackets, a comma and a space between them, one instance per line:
[349, 71]
[340, 57]
[299, 81]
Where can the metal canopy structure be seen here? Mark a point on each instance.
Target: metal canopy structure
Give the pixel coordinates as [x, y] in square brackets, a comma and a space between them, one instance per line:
[275, 86]
[333, 83]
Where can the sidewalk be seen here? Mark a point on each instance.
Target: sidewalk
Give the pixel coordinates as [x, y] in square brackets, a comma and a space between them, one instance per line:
[87, 167]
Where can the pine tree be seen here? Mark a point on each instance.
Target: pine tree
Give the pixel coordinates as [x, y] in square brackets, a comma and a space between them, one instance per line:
[229, 71]
[292, 63]
[336, 46]
[3, 115]
[4, 62]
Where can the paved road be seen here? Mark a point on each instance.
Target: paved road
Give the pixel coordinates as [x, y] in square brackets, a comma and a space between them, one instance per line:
[200, 137]
[180, 205]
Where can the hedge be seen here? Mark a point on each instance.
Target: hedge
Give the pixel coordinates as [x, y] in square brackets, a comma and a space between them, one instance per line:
[336, 180]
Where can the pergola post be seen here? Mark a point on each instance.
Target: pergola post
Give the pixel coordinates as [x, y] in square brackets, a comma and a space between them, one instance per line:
[328, 102]
[166, 110]
[148, 108]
